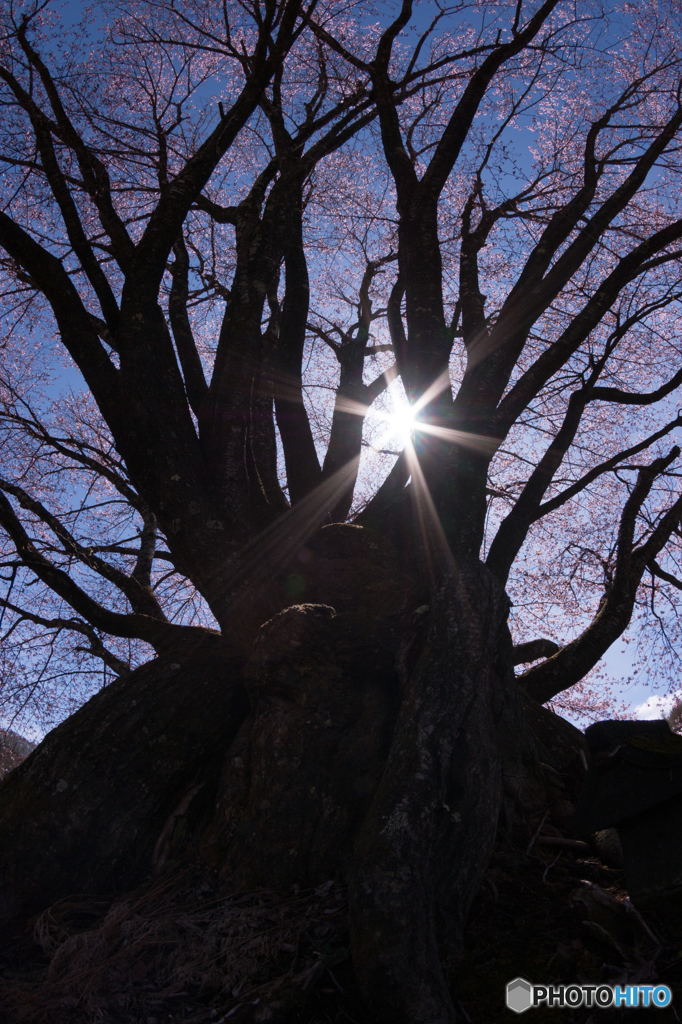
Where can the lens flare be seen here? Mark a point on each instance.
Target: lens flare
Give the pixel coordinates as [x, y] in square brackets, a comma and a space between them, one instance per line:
[403, 422]
[279, 542]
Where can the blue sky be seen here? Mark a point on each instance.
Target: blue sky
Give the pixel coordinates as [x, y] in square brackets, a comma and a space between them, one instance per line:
[618, 660]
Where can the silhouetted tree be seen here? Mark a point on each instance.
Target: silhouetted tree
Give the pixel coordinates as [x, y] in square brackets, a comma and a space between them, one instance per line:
[227, 215]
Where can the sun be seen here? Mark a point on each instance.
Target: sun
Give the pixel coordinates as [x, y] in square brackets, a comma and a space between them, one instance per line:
[404, 422]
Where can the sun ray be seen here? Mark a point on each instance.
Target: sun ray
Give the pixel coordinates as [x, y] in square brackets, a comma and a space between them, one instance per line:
[279, 542]
[440, 384]
[404, 421]
[479, 442]
[435, 543]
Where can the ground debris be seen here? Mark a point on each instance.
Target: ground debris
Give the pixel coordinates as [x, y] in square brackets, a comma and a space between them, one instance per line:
[177, 951]
[561, 921]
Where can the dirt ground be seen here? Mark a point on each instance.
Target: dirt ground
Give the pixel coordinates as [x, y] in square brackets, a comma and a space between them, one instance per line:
[174, 951]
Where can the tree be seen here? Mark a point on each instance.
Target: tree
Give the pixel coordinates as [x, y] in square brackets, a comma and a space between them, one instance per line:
[193, 205]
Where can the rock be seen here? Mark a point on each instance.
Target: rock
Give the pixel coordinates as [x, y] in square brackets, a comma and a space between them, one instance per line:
[631, 771]
[541, 765]
[605, 736]
[615, 923]
[561, 811]
[608, 846]
[323, 691]
[634, 784]
[86, 809]
[652, 854]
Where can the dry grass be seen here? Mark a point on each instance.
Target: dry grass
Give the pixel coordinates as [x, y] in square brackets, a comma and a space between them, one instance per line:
[175, 952]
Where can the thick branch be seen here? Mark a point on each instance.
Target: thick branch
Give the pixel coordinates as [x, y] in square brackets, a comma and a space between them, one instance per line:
[529, 507]
[514, 528]
[145, 558]
[603, 394]
[95, 174]
[75, 449]
[67, 206]
[457, 129]
[397, 157]
[353, 398]
[300, 456]
[394, 316]
[572, 662]
[534, 649]
[604, 467]
[192, 370]
[165, 223]
[96, 648]
[76, 329]
[379, 384]
[554, 357]
[136, 588]
[667, 577]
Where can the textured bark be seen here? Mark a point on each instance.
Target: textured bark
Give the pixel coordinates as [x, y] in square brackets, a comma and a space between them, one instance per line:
[381, 740]
[324, 701]
[351, 569]
[543, 754]
[323, 691]
[431, 827]
[87, 808]
[381, 743]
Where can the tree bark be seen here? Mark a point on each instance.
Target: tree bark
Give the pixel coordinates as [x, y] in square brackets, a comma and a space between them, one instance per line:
[324, 699]
[323, 692]
[431, 827]
[379, 741]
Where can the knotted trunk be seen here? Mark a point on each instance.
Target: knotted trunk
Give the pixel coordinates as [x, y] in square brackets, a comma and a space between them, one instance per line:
[427, 838]
[373, 740]
[379, 751]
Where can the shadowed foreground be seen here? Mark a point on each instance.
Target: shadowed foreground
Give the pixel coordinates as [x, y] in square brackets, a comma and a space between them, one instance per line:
[175, 950]
[364, 818]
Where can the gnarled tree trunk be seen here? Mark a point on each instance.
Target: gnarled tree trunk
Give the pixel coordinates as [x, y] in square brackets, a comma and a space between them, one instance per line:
[431, 827]
[375, 744]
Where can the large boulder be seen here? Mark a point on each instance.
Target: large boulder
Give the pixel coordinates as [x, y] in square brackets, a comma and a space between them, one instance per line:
[634, 784]
[89, 808]
[300, 775]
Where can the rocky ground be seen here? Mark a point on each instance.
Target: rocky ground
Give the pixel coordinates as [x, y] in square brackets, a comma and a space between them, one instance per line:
[184, 948]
